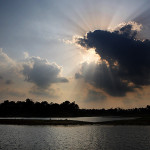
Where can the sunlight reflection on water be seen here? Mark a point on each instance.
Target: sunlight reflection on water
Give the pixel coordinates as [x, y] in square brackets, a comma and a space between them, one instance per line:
[74, 137]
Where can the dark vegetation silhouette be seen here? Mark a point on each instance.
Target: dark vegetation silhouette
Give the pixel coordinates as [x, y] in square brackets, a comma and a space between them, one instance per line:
[29, 108]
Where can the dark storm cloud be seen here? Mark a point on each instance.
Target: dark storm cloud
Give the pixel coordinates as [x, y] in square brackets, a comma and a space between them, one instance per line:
[42, 73]
[128, 60]
[100, 76]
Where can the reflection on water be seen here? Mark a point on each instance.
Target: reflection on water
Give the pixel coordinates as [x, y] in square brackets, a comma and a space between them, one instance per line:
[99, 119]
[74, 137]
[89, 119]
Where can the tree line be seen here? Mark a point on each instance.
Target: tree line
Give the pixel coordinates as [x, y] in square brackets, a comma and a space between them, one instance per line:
[28, 108]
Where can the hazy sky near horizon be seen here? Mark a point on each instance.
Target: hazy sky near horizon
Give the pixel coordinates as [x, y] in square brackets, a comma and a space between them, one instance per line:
[93, 52]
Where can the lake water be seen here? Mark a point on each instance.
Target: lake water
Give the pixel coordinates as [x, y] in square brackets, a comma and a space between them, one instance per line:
[13, 137]
[89, 119]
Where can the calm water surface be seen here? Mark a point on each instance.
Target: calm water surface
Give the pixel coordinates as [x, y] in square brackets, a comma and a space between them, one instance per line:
[13, 137]
[89, 119]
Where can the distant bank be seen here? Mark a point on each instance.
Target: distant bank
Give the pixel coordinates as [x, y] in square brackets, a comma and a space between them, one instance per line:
[30, 108]
[138, 121]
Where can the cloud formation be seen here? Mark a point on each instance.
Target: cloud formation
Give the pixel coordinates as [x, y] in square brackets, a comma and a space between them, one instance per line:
[9, 69]
[125, 60]
[42, 73]
[10, 77]
[35, 70]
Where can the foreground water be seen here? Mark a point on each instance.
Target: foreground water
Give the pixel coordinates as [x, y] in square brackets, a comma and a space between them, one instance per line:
[13, 137]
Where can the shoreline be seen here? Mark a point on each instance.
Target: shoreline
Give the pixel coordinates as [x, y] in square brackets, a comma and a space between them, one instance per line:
[42, 122]
[138, 121]
[145, 121]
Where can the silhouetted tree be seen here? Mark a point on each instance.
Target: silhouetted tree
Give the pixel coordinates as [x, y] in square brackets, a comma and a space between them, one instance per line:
[29, 108]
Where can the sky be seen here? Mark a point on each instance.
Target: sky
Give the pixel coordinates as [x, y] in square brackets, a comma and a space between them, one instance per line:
[93, 52]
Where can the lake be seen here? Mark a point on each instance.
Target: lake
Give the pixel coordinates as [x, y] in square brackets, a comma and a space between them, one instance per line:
[89, 119]
[14, 137]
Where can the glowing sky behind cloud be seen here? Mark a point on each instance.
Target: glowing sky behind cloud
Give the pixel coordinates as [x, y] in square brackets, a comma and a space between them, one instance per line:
[39, 57]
